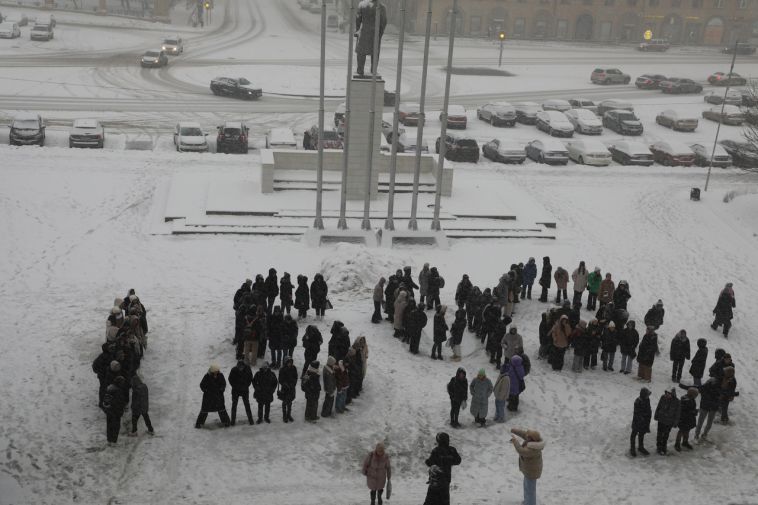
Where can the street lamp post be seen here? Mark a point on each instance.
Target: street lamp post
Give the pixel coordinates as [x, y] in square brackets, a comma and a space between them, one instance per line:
[501, 36]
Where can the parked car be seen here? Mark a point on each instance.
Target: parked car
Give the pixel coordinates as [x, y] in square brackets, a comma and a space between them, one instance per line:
[9, 30]
[680, 85]
[188, 136]
[27, 129]
[409, 113]
[339, 114]
[702, 152]
[559, 105]
[744, 154]
[497, 114]
[281, 138]
[672, 153]
[659, 45]
[554, 123]
[677, 122]
[588, 152]
[232, 138]
[649, 81]
[389, 98]
[585, 121]
[733, 97]
[456, 116]
[609, 76]
[629, 152]
[503, 151]
[583, 103]
[613, 104]
[407, 144]
[153, 59]
[235, 87]
[173, 45]
[41, 32]
[731, 115]
[751, 115]
[332, 139]
[749, 97]
[526, 113]
[86, 133]
[459, 148]
[724, 79]
[742, 48]
[623, 122]
[549, 151]
[387, 130]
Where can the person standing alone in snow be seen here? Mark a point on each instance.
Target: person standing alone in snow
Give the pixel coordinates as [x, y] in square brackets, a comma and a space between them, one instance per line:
[529, 460]
[378, 472]
[679, 352]
[723, 310]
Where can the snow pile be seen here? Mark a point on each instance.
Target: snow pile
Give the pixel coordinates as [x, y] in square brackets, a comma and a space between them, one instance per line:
[354, 270]
[744, 210]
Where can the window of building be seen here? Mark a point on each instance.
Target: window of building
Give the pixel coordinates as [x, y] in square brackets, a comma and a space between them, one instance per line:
[519, 27]
[697, 4]
[744, 4]
[653, 3]
[609, 3]
[718, 4]
[676, 3]
[475, 25]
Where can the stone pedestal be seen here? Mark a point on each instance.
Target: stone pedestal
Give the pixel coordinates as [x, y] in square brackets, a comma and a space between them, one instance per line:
[358, 126]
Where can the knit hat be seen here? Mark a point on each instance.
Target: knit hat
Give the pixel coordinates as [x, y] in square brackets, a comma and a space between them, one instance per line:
[514, 329]
[330, 361]
[597, 270]
[483, 373]
[443, 439]
[115, 366]
[692, 392]
[264, 365]
[214, 368]
[116, 310]
[248, 281]
[314, 366]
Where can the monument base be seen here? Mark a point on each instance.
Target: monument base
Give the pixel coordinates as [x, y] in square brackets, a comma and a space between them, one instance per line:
[317, 238]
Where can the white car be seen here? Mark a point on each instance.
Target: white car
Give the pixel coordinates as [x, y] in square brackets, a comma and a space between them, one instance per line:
[86, 133]
[630, 152]
[173, 45]
[9, 30]
[585, 121]
[559, 105]
[281, 138]
[582, 103]
[702, 152]
[677, 122]
[733, 97]
[188, 136]
[589, 152]
[555, 123]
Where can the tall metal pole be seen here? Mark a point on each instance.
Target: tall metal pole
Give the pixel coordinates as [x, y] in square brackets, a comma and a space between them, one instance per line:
[500, 58]
[721, 118]
[443, 133]
[412, 225]
[389, 224]
[318, 223]
[366, 224]
[342, 223]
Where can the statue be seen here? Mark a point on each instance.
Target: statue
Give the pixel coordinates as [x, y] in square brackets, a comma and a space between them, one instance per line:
[365, 21]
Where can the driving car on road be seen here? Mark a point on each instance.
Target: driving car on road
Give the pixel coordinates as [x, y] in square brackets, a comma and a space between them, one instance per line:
[628, 152]
[497, 114]
[677, 122]
[623, 122]
[173, 45]
[672, 153]
[609, 76]
[188, 136]
[232, 138]
[742, 48]
[680, 85]
[526, 112]
[153, 59]
[554, 123]
[702, 152]
[659, 45]
[723, 79]
[649, 81]
[504, 151]
[731, 115]
[589, 152]
[733, 97]
[86, 133]
[235, 87]
[27, 129]
[459, 148]
[549, 151]
[585, 121]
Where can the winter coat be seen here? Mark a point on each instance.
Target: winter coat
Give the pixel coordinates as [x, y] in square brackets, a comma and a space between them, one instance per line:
[668, 410]
[302, 295]
[241, 379]
[457, 388]
[697, 367]
[423, 280]
[416, 321]
[444, 457]
[593, 282]
[456, 331]
[272, 285]
[289, 333]
[287, 383]
[140, 397]
[341, 378]
[710, 391]
[530, 456]
[285, 291]
[377, 470]
[241, 292]
[728, 389]
[311, 386]
[275, 330]
[463, 291]
[561, 277]
[213, 392]
[593, 337]
[605, 294]
[379, 291]
[680, 347]
[436, 282]
[717, 369]
[544, 331]
[517, 373]
[642, 415]
[312, 340]
[724, 306]
[339, 345]
[630, 338]
[400, 304]
[609, 340]
[547, 269]
[580, 280]
[480, 389]
[330, 383]
[319, 291]
[620, 298]
[529, 273]
[264, 385]
[688, 409]
[365, 21]
[560, 334]
[580, 340]
[648, 349]
[440, 328]
[502, 388]
[654, 316]
[510, 342]
[407, 279]
[114, 400]
[102, 363]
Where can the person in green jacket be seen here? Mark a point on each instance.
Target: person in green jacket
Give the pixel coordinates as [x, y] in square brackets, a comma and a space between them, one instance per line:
[593, 287]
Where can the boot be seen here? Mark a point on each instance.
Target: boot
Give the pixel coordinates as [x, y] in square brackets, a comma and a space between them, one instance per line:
[643, 451]
[686, 445]
[632, 452]
[678, 447]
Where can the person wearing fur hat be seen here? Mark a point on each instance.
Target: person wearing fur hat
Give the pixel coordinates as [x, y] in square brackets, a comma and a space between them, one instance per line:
[630, 338]
[545, 278]
[213, 386]
[502, 390]
[528, 276]
[728, 392]
[440, 331]
[264, 386]
[378, 299]
[560, 333]
[378, 472]
[330, 386]
[285, 292]
[302, 297]
[240, 380]
[140, 405]
[287, 389]
[679, 352]
[667, 413]
[481, 389]
[697, 365]
[444, 456]
[609, 340]
[686, 420]
[647, 352]
[529, 450]
[654, 315]
[640, 423]
[593, 288]
[272, 289]
[311, 386]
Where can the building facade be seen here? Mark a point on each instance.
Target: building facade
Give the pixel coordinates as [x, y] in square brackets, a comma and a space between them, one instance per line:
[695, 22]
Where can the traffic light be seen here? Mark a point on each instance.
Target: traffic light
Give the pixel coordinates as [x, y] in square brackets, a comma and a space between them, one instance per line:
[501, 35]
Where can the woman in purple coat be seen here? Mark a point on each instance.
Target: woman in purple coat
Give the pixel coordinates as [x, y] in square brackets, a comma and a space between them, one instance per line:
[516, 372]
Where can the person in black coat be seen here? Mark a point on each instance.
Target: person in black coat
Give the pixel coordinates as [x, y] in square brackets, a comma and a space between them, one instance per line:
[678, 353]
[271, 287]
[473, 307]
[654, 315]
[416, 322]
[302, 297]
[544, 338]
[686, 419]
[490, 319]
[723, 310]
[436, 282]
[621, 295]
[319, 292]
[213, 386]
[289, 337]
[408, 281]
[285, 292]
[312, 341]
[264, 386]
[630, 338]
[140, 405]
[640, 423]
[457, 390]
[240, 379]
[463, 291]
[113, 405]
[287, 388]
[609, 340]
[276, 336]
[709, 405]
[339, 344]
[445, 457]
[495, 341]
[440, 331]
[245, 289]
[311, 386]
[723, 360]
[354, 364]
[259, 291]
[648, 350]
[546, 277]
[100, 367]
[594, 331]
[667, 414]
[697, 365]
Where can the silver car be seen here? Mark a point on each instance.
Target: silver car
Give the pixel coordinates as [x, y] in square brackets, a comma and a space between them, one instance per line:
[672, 119]
[86, 133]
[498, 113]
[585, 121]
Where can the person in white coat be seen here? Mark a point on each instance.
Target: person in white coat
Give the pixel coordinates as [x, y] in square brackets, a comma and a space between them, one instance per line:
[502, 391]
[511, 341]
[579, 277]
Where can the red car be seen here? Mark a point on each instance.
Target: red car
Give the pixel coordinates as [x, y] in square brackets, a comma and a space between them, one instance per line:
[672, 154]
[408, 114]
[456, 116]
[723, 79]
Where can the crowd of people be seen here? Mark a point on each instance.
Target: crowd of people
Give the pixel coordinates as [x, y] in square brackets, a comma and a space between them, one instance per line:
[117, 366]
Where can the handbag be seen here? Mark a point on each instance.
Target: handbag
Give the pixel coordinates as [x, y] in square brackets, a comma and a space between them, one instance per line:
[388, 489]
[329, 304]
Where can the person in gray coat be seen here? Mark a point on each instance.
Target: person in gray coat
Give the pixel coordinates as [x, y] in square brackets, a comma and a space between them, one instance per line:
[481, 389]
[140, 405]
[330, 386]
[511, 341]
[667, 414]
[378, 299]
[423, 283]
[502, 390]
